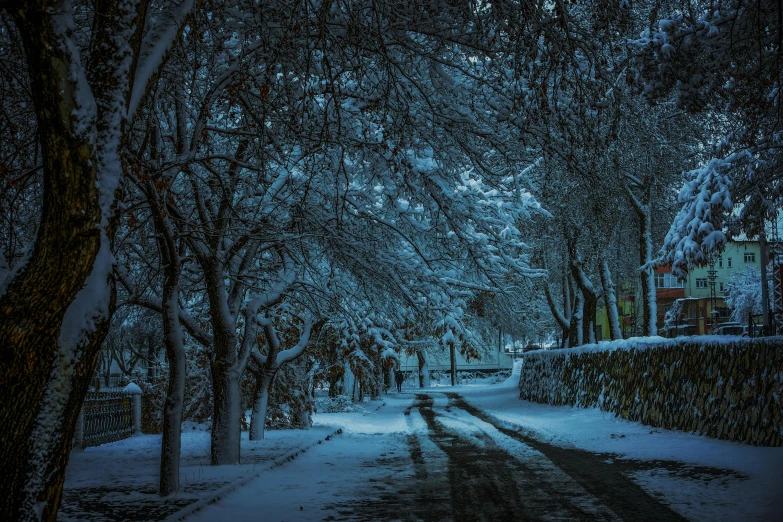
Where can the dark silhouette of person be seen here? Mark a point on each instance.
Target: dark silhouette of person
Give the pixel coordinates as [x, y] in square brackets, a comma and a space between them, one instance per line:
[398, 378]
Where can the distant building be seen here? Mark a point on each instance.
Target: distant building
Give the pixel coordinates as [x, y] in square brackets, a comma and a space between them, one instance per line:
[698, 316]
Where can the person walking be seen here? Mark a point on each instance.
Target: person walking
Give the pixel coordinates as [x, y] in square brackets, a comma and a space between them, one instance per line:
[398, 378]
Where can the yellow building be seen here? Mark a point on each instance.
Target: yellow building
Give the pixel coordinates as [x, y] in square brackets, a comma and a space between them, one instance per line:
[697, 317]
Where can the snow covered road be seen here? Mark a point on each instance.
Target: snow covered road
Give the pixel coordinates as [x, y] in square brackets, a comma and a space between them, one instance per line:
[436, 456]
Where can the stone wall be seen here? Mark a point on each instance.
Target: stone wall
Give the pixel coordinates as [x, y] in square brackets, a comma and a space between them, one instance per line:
[728, 388]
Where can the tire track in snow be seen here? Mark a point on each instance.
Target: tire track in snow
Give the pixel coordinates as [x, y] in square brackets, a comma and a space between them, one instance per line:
[487, 483]
[601, 479]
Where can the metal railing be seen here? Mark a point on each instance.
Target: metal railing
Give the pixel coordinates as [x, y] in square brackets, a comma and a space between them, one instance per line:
[106, 417]
[101, 383]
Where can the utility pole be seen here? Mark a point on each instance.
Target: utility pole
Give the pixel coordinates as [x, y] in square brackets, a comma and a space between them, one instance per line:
[764, 289]
[500, 344]
[712, 277]
[777, 276]
[453, 364]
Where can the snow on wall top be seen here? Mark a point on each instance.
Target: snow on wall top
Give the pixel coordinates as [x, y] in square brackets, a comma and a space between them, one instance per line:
[644, 343]
[132, 388]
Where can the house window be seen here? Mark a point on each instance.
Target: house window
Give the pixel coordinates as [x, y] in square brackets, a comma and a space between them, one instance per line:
[667, 281]
[750, 257]
[720, 262]
[729, 262]
[723, 288]
[701, 282]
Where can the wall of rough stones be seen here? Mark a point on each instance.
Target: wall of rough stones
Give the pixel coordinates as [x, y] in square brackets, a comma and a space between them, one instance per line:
[724, 387]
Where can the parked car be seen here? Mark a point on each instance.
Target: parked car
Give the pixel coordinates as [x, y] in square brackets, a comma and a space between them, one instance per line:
[732, 329]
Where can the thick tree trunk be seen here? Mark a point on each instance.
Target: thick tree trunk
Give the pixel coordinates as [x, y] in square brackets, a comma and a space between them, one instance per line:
[175, 396]
[53, 319]
[38, 418]
[226, 374]
[227, 414]
[610, 301]
[42, 384]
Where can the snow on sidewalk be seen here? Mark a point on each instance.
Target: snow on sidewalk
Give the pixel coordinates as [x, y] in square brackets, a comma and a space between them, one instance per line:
[357, 471]
[118, 481]
[750, 490]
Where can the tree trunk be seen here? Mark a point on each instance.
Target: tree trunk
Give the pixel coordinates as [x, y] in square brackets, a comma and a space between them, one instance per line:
[647, 274]
[265, 377]
[226, 374]
[389, 378]
[334, 379]
[563, 320]
[53, 318]
[260, 405]
[174, 344]
[227, 415]
[589, 300]
[590, 309]
[424, 369]
[349, 381]
[175, 396]
[43, 383]
[377, 385]
[38, 424]
[575, 331]
[610, 301]
[301, 413]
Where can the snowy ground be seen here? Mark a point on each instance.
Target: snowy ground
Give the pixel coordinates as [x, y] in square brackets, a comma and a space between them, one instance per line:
[749, 491]
[118, 481]
[464, 453]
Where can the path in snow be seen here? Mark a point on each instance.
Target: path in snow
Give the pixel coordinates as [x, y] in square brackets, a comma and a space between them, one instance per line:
[434, 456]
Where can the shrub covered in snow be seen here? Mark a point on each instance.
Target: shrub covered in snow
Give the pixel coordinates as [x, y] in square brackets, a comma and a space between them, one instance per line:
[339, 404]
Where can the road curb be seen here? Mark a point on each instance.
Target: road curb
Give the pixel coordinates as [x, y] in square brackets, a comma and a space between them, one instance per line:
[218, 495]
